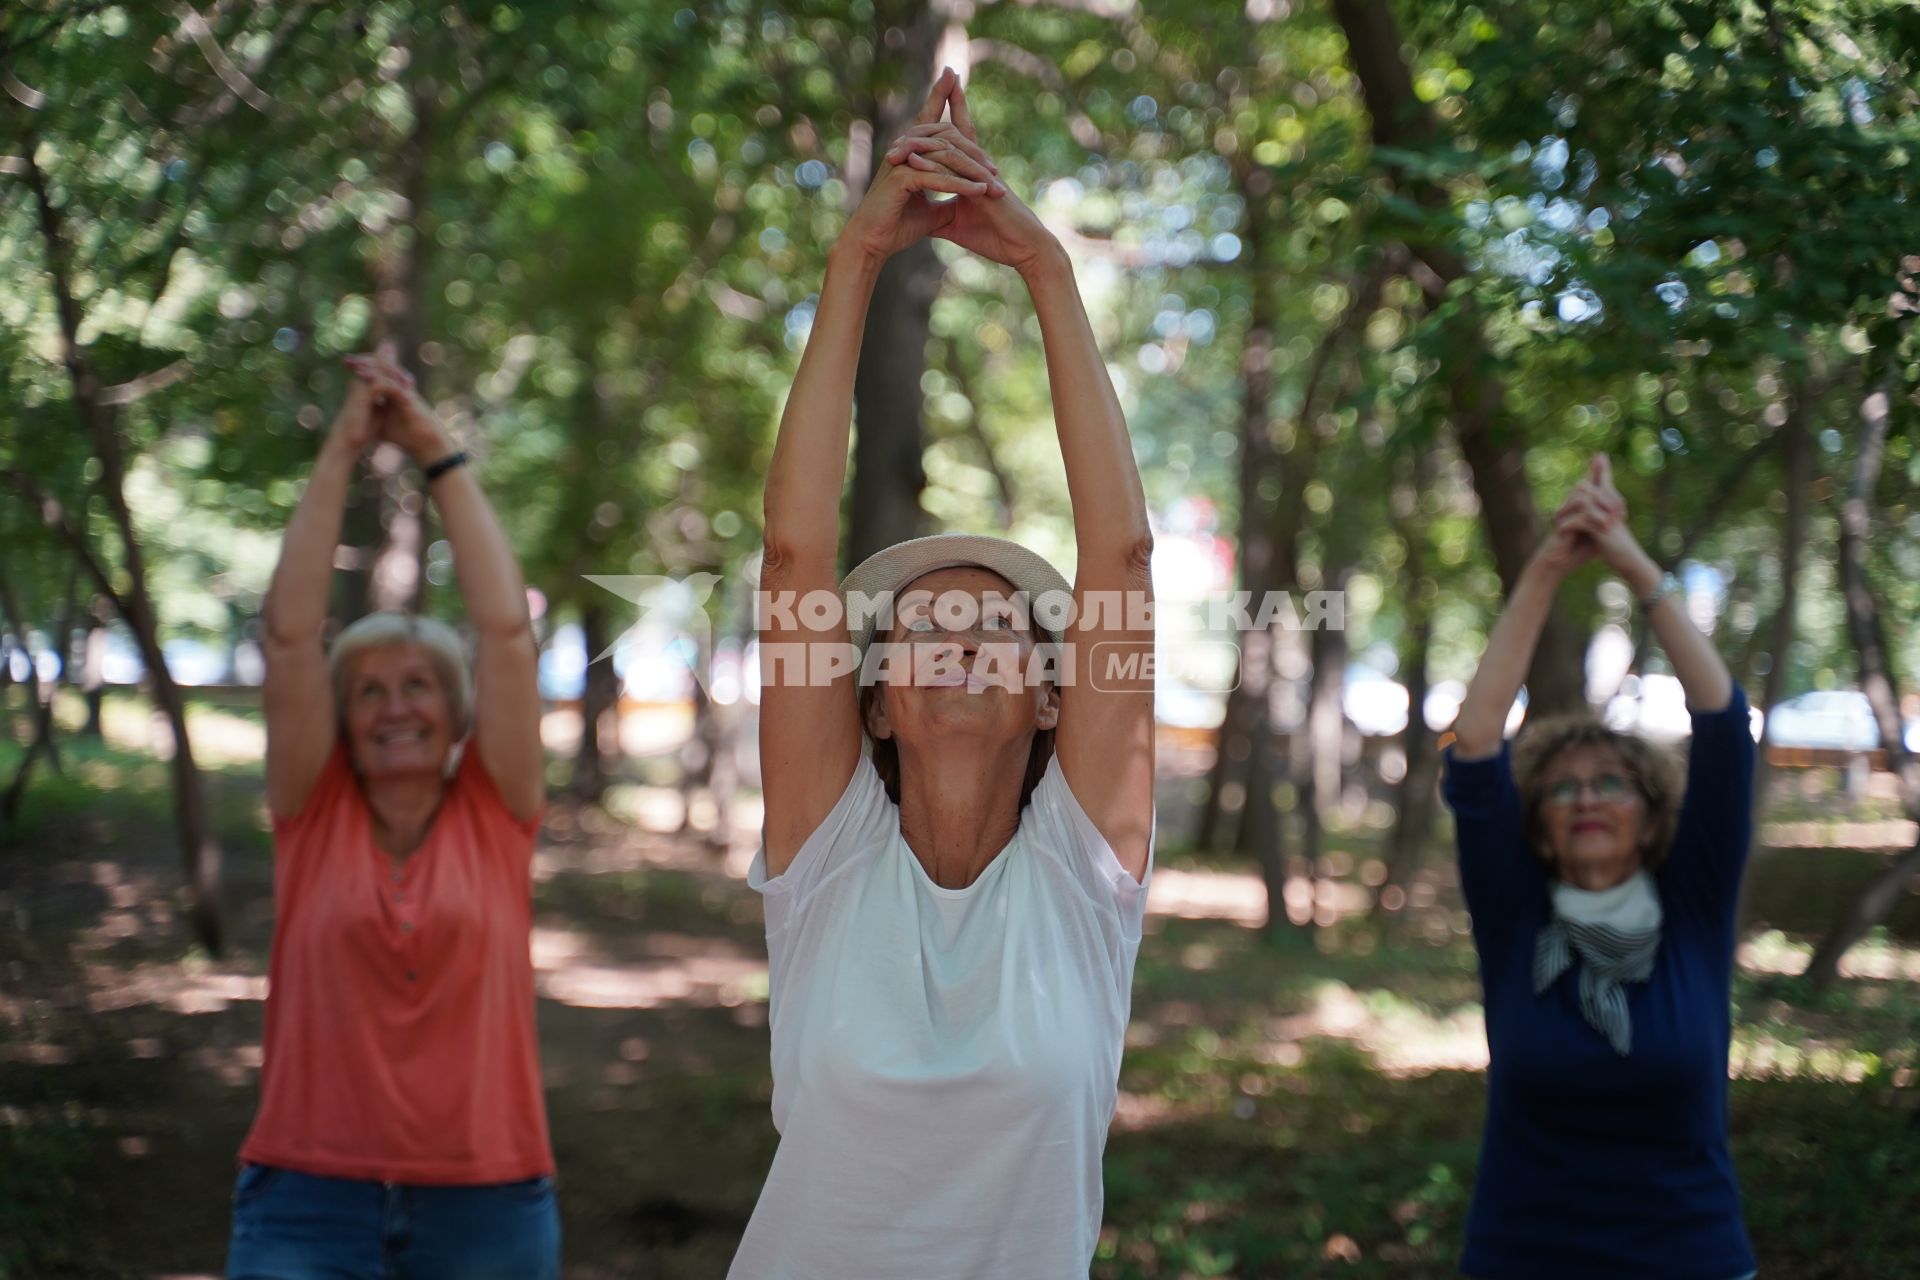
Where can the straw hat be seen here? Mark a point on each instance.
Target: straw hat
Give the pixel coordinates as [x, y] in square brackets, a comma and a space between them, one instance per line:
[1048, 593]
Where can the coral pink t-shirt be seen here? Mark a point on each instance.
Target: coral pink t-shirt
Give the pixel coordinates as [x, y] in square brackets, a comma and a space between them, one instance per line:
[400, 1043]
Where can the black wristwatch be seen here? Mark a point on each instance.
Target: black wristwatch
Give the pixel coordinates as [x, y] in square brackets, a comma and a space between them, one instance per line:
[446, 464]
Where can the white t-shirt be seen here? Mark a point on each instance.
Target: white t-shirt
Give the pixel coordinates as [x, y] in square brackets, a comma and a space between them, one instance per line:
[945, 1061]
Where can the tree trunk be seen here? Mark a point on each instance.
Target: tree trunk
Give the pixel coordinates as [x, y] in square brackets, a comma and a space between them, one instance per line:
[1490, 437]
[1266, 555]
[200, 853]
[1326, 706]
[1556, 681]
[398, 568]
[1414, 818]
[599, 702]
[1268, 527]
[93, 667]
[888, 476]
[698, 751]
[1793, 536]
[1877, 681]
[1232, 746]
[43, 693]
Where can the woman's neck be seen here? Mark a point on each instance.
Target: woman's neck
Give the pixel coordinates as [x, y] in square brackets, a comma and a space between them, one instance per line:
[957, 811]
[403, 809]
[1594, 877]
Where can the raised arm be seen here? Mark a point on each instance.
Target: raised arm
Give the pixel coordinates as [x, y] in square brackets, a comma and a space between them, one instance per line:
[296, 696]
[506, 716]
[1105, 733]
[1696, 663]
[1482, 721]
[810, 732]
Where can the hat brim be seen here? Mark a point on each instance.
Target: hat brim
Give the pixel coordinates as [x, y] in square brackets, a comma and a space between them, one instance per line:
[894, 568]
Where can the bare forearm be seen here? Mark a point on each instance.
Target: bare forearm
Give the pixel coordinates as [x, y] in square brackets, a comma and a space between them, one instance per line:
[1696, 663]
[1103, 481]
[491, 586]
[1482, 720]
[296, 603]
[809, 467]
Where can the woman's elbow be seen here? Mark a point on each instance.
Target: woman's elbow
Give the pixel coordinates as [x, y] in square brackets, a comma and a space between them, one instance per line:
[1131, 549]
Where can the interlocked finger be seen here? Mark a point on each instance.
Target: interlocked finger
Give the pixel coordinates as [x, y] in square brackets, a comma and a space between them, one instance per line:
[943, 180]
[921, 152]
[385, 366]
[1607, 500]
[945, 130]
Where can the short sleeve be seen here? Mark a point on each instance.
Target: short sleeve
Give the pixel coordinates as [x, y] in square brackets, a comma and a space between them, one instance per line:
[329, 791]
[860, 821]
[1061, 826]
[1715, 829]
[1497, 873]
[472, 778]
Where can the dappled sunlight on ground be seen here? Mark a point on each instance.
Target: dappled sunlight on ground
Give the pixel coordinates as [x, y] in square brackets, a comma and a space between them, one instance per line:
[1887, 834]
[221, 738]
[645, 729]
[1401, 1038]
[686, 970]
[1773, 952]
[1242, 897]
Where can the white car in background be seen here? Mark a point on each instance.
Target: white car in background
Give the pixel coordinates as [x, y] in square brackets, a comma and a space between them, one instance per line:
[1656, 707]
[1833, 720]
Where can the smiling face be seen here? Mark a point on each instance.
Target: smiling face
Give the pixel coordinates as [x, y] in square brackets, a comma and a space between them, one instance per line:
[399, 719]
[1593, 816]
[970, 655]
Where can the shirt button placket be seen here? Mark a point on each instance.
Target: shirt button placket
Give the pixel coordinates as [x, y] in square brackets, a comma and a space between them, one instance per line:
[406, 925]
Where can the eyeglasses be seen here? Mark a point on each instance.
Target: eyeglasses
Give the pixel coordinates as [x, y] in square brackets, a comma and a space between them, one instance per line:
[1608, 788]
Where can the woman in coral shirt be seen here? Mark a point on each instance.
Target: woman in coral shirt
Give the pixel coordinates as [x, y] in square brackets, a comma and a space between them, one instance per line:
[402, 1131]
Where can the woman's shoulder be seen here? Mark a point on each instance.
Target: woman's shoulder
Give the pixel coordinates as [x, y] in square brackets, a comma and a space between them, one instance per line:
[862, 823]
[472, 788]
[1055, 823]
[336, 790]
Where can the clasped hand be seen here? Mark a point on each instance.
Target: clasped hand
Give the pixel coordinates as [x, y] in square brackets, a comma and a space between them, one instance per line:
[384, 404]
[941, 155]
[1592, 523]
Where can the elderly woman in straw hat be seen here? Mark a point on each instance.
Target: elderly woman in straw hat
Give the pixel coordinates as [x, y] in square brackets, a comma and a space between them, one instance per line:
[1603, 896]
[951, 920]
[402, 1131]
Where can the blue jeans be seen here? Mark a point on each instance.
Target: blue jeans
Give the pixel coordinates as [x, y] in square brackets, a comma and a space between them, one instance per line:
[298, 1226]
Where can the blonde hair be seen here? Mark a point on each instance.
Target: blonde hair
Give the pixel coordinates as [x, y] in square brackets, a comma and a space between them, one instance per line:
[442, 645]
[1657, 774]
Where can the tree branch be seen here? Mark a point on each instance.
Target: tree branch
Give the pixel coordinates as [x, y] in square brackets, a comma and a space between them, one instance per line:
[54, 515]
[1025, 62]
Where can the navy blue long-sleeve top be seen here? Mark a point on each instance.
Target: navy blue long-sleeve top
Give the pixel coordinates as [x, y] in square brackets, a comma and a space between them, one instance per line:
[1595, 1166]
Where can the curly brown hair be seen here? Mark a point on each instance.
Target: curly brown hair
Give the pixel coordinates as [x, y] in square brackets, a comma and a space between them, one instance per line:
[1656, 772]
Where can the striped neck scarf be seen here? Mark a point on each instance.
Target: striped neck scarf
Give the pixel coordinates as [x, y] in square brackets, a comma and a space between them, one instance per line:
[1614, 933]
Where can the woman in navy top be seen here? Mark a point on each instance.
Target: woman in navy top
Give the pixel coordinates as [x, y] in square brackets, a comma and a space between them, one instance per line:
[1603, 913]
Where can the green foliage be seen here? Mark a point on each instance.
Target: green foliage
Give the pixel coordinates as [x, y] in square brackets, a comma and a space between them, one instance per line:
[609, 219]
